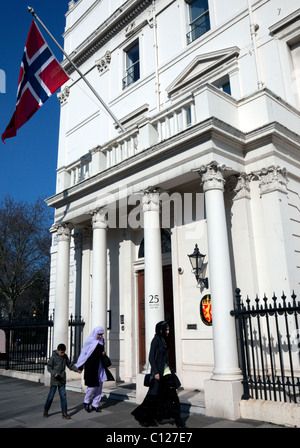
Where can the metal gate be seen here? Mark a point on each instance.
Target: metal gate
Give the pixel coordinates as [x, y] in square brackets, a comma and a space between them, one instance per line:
[28, 344]
[268, 340]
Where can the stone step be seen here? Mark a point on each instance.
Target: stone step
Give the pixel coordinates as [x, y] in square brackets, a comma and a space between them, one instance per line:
[191, 401]
[74, 386]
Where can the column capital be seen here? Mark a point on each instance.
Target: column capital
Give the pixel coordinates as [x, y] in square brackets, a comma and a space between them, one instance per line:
[239, 186]
[63, 231]
[212, 176]
[273, 178]
[99, 220]
[150, 200]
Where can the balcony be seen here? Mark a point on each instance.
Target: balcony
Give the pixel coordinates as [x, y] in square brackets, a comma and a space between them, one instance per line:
[200, 27]
[246, 116]
[134, 141]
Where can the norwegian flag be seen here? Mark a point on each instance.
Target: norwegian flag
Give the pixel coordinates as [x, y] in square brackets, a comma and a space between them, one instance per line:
[40, 76]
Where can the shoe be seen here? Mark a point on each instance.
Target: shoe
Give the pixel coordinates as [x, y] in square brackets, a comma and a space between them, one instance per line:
[179, 423]
[45, 413]
[96, 409]
[66, 416]
[87, 407]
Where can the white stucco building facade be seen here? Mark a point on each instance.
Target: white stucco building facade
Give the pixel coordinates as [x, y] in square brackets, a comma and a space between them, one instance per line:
[208, 93]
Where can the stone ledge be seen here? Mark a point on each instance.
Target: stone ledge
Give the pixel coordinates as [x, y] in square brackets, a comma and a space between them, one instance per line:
[280, 413]
[28, 376]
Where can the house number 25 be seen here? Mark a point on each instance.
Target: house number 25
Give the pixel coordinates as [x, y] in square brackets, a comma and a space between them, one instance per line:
[153, 298]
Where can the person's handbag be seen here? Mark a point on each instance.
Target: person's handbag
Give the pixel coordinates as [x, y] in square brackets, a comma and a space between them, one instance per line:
[106, 361]
[148, 379]
[176, 380]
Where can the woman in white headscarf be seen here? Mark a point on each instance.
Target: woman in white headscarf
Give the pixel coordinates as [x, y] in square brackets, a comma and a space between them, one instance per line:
[95, 373]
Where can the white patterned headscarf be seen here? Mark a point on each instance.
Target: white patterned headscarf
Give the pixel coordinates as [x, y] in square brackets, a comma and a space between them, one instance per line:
[90, 345]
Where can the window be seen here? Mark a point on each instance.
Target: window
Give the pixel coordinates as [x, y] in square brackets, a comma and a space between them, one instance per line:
[295, 55]
[132, 64]
[223, 84]
[165, 243]
[287, 33]
[199, 19]
[188, 116]
[225, 87]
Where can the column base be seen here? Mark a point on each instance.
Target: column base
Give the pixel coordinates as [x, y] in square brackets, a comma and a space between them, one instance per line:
[222, 398]
[227, 375]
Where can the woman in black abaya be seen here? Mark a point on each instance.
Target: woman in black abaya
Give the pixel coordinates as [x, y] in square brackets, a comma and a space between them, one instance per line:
[161, 401]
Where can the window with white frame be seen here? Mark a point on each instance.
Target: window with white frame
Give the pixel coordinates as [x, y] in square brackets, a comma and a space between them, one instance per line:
[287, 33]
[132, 64]
[223, 84]
[295, 57]
[199, 22]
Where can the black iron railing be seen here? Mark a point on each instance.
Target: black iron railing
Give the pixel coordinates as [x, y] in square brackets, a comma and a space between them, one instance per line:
[199, 27]
[268, 336]
[76, 325]
[28, 344]
[132, 74]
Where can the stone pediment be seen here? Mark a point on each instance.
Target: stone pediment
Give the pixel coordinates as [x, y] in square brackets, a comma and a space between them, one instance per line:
[203, 67]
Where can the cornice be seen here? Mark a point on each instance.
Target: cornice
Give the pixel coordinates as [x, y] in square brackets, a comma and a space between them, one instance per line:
[285, 22]
[106, 31]
[210, 129]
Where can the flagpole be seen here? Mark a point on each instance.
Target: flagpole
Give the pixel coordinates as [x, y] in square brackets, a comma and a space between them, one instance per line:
[31, 10]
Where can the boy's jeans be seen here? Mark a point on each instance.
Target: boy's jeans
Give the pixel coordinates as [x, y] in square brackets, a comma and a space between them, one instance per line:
[63, 397]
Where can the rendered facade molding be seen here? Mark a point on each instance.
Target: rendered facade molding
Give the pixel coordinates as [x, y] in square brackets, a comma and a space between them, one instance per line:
[210, 155]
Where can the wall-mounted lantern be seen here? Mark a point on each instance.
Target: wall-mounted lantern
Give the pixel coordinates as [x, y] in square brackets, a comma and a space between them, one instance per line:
[197, 259]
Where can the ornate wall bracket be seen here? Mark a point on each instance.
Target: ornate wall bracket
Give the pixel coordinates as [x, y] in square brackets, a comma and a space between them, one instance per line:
[63, 96]
[103, 63]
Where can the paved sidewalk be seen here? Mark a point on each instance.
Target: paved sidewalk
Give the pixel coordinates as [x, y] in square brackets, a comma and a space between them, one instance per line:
[22, 402]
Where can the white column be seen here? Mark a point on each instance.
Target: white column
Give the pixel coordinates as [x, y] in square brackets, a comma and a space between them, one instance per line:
[154, 298]
[225, 347]
[99, 269]
[224, 390]
[61, 315]
[86, 280]
[77, 274]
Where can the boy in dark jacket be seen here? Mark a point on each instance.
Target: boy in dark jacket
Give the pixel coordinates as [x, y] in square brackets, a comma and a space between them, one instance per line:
[57, 368]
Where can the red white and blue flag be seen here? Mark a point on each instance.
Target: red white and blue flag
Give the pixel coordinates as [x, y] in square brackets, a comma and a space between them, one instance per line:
[40, 76]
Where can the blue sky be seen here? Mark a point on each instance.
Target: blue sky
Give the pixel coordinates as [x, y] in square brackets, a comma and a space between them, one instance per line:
[28, 161]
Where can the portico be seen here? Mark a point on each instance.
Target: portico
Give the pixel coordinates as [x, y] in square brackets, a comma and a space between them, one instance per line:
[225, 368]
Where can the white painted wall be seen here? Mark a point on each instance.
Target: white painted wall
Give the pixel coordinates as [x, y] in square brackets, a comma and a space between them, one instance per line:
[264, 228]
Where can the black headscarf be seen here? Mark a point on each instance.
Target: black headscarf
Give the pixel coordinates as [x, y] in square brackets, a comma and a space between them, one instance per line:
[161, 331]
